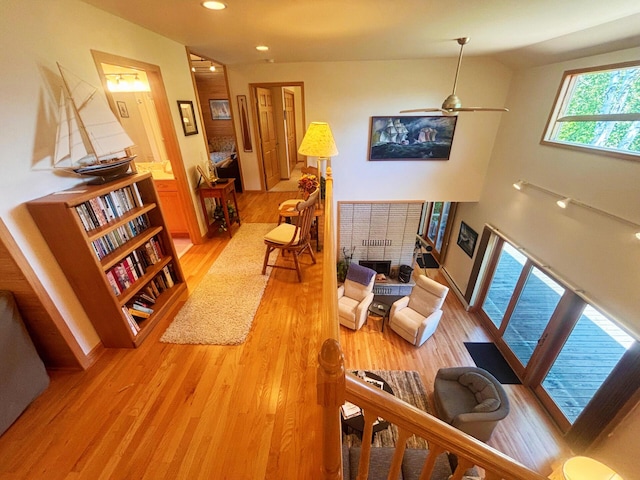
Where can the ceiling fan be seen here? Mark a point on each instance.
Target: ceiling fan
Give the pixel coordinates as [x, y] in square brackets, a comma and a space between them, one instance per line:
[452, 104]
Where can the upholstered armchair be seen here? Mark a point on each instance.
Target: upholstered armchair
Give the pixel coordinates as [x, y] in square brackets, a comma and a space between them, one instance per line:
[470, 399]
[355, 296]
[415, 317]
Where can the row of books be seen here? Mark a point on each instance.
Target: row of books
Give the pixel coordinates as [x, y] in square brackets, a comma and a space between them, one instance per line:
[106, 244]
[125, 273]
[141, 307]
[102, 209]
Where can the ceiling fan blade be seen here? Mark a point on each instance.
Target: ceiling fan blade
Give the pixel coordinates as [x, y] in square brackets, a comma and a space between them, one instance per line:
[479, 109]
[423, 110]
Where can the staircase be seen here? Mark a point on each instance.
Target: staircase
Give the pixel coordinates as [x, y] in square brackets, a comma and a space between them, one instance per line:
[334, 388]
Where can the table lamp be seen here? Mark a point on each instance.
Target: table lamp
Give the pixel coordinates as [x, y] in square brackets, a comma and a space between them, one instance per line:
[318, 142]
[585, 468]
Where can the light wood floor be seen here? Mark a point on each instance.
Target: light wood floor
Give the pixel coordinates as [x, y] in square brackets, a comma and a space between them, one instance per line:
[237, 412]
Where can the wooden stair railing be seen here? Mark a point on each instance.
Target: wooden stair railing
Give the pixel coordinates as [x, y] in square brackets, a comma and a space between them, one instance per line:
[334, 387]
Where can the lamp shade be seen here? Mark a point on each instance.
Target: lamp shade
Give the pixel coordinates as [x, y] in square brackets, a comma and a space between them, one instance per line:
[585, 468]
[318, 141]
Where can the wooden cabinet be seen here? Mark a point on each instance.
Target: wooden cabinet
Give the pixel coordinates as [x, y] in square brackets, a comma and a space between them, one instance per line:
[99, 233]
[172, 207]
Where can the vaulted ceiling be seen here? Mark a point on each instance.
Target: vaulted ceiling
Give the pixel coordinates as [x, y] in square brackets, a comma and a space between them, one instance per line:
[518, 33]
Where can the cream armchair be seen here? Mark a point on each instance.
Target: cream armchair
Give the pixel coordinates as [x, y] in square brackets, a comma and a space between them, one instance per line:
[416, 316]
[355, 296]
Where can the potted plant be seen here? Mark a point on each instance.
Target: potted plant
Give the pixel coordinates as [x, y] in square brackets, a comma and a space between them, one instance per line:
[218, 216]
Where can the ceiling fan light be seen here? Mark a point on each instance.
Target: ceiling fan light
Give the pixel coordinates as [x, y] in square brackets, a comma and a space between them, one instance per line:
[451, 102]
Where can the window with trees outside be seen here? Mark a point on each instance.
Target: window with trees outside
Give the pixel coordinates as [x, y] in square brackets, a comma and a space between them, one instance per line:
[598, 109]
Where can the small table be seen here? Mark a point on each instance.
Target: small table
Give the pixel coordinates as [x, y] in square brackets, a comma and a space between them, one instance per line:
[222, 191]
[356, 422]
[380, 309]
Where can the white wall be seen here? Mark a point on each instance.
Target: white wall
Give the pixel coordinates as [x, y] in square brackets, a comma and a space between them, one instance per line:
[597, 254]
[35, 35]
[348, 94]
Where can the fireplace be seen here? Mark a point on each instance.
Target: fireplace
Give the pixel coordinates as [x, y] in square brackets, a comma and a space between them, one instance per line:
[380, 266]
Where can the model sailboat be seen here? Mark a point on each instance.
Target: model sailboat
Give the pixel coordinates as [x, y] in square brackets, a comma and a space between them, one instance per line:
[90, 139]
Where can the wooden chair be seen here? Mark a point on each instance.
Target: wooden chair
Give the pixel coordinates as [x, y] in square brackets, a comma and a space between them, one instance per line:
[292, 238]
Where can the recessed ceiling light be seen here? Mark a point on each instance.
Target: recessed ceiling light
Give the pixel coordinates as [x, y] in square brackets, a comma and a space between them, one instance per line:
[262, 48]
[214, 5]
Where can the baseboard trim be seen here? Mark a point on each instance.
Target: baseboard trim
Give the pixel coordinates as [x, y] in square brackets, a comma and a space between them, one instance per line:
[455, 288]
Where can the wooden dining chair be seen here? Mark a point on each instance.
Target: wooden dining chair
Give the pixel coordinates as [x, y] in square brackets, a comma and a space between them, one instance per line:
[293, 237]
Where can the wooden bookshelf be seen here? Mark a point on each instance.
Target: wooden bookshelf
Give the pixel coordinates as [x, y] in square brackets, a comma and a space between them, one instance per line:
[93, 246]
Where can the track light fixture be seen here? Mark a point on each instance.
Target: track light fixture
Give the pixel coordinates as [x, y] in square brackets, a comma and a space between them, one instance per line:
[563, 202]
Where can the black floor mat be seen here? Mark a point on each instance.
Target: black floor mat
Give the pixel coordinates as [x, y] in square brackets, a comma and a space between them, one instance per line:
[487, 356]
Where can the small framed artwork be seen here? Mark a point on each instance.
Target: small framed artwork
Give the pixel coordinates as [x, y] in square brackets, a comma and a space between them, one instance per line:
[204, 177]
[220, 109]
[188, 117]
[244, 123]
[411, 138]
[122, 109]
[467, 239]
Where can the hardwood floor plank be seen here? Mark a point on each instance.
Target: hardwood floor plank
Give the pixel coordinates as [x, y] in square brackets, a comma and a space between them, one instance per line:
[235, 412]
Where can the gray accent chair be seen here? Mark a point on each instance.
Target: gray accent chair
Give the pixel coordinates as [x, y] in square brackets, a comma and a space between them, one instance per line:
[470, 399]
[23, 376]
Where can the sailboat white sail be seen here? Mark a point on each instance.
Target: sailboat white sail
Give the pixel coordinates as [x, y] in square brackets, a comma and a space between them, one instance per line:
[90, 139]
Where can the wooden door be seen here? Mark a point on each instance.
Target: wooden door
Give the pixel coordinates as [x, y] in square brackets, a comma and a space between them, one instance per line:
[290, 125]
[268, 141]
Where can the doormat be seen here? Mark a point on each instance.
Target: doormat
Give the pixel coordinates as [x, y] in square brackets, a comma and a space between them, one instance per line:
[487, 356]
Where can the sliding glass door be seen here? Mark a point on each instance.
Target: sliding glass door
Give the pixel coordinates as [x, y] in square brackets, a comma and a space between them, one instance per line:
[558, 344]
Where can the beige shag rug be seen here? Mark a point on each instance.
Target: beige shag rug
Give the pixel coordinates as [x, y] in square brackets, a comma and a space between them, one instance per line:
[220, 310]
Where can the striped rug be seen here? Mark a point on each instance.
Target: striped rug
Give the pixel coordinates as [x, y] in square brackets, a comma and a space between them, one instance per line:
[407, 386]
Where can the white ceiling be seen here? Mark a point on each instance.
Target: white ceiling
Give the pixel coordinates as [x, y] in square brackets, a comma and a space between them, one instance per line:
[518, 32]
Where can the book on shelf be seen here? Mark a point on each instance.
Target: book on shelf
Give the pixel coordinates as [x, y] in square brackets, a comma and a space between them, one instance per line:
[138, 313]
[100, 210]
[133, 325]
[141, 308]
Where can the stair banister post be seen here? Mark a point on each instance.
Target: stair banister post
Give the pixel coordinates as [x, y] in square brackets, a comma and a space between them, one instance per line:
[331, 396]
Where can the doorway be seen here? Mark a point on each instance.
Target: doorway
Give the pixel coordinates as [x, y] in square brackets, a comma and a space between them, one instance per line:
[278, 112]
[145, 114]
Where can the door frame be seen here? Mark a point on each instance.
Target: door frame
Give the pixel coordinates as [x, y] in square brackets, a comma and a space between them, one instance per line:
[159, 94]
[253, 98]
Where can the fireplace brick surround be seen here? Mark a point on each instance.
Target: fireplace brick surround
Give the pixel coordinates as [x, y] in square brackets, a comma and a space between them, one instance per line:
[380, 231]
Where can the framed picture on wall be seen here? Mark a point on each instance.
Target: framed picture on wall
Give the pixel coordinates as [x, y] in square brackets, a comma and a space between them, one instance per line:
[244, 123]
[467, 239]
[411, 138]
[122, 109]
[220, 109]
[188, 117]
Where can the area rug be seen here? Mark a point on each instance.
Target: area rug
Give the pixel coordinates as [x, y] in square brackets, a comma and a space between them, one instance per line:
[487, 356]
[407, 386]
[220, 310]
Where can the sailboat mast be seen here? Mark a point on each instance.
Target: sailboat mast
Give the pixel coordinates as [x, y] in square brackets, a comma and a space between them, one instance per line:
[81, 125]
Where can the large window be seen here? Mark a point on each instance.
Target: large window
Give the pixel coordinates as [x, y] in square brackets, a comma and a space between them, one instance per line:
[559, 344]
[598, 109]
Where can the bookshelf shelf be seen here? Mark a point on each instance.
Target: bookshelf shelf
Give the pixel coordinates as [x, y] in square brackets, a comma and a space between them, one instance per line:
[112, 243]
